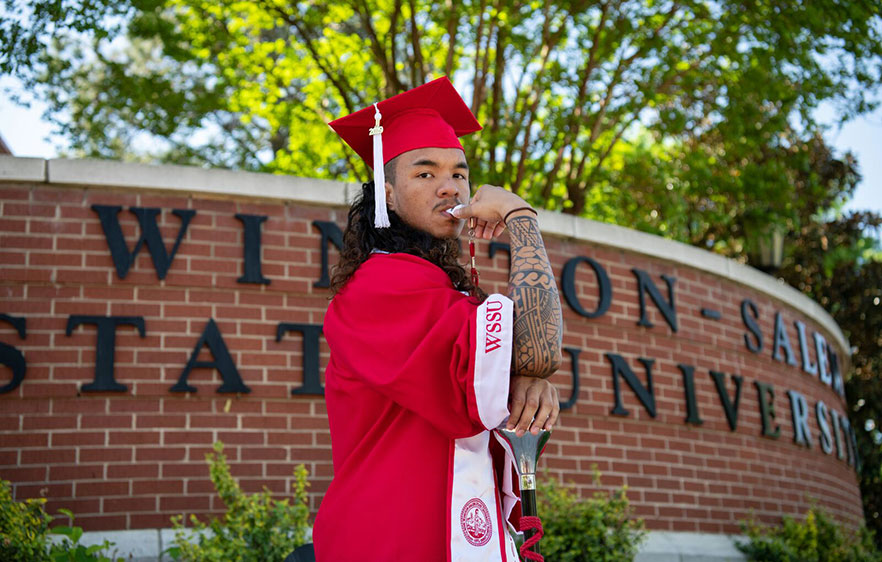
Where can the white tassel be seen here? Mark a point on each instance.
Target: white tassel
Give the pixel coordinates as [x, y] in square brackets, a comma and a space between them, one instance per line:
[381, 215]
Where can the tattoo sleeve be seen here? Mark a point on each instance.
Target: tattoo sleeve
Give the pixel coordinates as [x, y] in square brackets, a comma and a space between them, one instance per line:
[538, 326]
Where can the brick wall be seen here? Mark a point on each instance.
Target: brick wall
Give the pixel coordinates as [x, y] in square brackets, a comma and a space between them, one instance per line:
[132, 459]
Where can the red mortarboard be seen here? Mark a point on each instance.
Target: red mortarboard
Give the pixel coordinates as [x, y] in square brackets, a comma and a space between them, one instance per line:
[429, 116]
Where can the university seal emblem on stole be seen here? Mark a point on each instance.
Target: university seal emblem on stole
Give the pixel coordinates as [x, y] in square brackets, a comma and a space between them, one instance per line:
[475, 521]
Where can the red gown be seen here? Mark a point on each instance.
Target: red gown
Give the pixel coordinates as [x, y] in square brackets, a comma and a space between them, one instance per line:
[418, 374]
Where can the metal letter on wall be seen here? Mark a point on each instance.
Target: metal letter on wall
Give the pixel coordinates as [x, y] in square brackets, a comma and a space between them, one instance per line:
[850, 442]
[11, 356]
[568, 286]
[766, 395]
[837, 435]
[105, 348]
[821, 353]
[799, 413]
[645, 394]
[749, 315]
[494, 247]
[251, 250]
[119, 250]
[782, 341]
[312, 384]
[574, 361]
[689, 387]
[223, 362]
[808, 365]
[835, 374]
[667, 308]
[852, 438]
[330, 233]
[729, 407]
[824, 427]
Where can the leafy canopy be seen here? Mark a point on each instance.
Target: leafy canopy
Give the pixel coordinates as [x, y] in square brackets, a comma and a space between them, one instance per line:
[559, 86]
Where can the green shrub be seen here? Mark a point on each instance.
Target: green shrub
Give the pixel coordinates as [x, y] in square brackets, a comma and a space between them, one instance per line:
[24, 528]
[599, 529]
[255, 528]
[817, 538]
[70, 549]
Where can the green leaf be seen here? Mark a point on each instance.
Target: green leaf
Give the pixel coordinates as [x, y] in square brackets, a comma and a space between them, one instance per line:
[63, 530]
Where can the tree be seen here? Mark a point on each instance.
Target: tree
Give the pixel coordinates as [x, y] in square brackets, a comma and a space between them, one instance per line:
[836, 260]
[559, 86]
[719, 193]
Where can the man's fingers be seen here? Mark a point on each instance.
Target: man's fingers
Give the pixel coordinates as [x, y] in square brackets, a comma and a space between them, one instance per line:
[462, 211]
[551, 408]
[531, 406]
[543, 414]
[489, 230]
[534, 405]
[523, 425]
[515, 409]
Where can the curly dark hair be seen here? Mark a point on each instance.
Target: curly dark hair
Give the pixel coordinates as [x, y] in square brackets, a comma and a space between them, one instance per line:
[361, 238]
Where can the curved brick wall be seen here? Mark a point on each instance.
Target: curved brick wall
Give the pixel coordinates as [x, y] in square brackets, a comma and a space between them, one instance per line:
[130, 459]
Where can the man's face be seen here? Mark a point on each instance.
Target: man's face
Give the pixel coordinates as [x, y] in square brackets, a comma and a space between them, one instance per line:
[428, 181]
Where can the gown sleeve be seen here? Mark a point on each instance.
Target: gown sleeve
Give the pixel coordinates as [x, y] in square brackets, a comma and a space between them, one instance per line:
[399, 328]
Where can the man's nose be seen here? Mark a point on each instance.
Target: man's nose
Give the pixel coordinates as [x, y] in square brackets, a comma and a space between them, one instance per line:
[448, 188]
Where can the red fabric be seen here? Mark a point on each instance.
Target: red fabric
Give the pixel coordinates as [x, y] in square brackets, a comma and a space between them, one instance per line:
[398, 390]
[500, 466]
[431, 115]
[531, 523]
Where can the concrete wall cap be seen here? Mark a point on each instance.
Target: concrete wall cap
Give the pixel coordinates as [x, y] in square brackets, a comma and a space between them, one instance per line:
[191, 179]
[14, 168]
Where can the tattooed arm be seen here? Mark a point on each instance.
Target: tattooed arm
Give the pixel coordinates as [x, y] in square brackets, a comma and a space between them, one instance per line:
[538, 322]
[538, 328]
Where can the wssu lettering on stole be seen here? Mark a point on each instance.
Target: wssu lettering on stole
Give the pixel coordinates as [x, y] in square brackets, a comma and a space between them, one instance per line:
[825, 366]
[493, 325]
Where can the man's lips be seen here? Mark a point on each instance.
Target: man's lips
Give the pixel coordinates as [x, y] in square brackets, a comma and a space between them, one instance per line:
[448, 210]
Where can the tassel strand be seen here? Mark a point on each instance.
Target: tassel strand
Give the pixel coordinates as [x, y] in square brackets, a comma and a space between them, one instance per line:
[381, 215]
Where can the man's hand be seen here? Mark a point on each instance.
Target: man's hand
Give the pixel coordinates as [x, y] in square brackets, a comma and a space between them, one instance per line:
[538, 323]
[487, 208]
[533, 403]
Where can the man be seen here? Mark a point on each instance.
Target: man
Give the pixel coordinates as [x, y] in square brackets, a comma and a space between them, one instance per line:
[421, 360]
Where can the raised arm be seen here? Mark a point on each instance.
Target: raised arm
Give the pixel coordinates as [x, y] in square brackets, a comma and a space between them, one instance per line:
[538, 328]
[537, 324]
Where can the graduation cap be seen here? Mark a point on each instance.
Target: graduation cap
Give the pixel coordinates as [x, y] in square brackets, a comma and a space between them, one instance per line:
[429, 116]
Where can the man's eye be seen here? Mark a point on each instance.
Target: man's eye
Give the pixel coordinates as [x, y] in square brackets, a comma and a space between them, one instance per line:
[424, 175]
